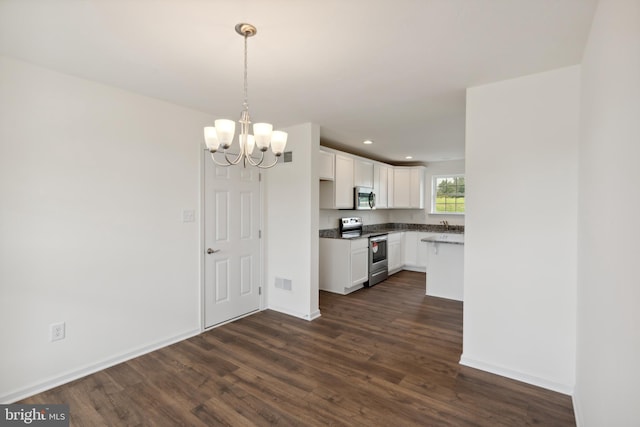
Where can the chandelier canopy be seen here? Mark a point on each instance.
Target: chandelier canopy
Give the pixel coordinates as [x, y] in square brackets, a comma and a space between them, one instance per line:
[219, 138]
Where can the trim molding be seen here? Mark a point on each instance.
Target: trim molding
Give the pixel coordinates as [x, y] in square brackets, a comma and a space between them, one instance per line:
[314, 315]
[577, 410]
[93, 368]
[516, 375]
[310, 316]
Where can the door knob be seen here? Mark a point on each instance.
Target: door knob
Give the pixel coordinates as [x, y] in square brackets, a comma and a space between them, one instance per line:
[211, 251]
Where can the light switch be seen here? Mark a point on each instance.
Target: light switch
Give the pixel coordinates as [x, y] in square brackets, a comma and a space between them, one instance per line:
[188, 215]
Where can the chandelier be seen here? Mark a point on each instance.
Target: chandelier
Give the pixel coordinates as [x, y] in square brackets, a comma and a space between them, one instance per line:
[219, 138]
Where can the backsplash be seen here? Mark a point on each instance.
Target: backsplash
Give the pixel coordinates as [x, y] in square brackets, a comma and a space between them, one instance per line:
[329, 218]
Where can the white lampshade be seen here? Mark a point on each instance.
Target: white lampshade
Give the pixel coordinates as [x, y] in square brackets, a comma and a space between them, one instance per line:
[278, 142]
[225, 130]
[211, 138]
[251, 143]
[262, 132]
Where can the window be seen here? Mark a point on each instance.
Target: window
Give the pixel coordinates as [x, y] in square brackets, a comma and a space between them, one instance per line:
[448, 195]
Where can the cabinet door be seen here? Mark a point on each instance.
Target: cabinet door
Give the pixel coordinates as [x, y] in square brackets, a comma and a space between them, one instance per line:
[402, 187]
[417, 188]
[326, 162]
[390, 189]
[363, 173]
[411, 248]
[380, 180]
[359, 265]
[395, 254]
[344, 182]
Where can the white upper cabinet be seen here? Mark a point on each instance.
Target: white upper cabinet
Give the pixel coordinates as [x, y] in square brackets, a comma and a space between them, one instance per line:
[390, 189]
[408, 187]
[417, 187]
[338, 194]
[363, 173]
[380, 185]
[326, 165]
[344, 182]
[400, 187]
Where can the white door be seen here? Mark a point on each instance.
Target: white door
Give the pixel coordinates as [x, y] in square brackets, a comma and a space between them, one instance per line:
[232, 245]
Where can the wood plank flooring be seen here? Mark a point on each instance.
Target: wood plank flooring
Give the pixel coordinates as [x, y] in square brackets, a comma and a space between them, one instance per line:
[385, 356]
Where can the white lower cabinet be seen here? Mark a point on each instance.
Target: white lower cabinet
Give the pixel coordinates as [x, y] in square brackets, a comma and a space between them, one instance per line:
[415, 251]
[395, 252]
[344, 264]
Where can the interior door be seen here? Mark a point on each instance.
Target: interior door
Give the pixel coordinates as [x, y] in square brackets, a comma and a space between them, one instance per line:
[232, 242]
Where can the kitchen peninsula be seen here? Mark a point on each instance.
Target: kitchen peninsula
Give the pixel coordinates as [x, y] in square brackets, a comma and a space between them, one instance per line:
[445, 265]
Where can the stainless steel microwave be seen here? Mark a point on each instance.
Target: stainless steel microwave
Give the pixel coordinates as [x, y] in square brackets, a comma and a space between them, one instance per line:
[364, 198]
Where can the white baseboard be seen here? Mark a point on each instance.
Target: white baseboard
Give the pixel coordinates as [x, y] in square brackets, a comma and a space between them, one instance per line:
[516, 375]
[314, 315]
[416, 268]
[91, 369]
[577, 411]
[305, 316]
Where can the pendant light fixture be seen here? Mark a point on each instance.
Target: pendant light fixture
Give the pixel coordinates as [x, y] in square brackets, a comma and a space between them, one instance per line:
[219, 138]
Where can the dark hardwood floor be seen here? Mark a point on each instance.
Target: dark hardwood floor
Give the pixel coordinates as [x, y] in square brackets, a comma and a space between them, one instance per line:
[385, 356]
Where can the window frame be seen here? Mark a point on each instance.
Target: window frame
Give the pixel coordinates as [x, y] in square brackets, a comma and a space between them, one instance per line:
[434, 193]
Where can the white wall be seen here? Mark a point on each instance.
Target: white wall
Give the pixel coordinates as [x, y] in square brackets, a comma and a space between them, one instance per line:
[521, 231]
[608, 339]
[292, 205]
[93, 181]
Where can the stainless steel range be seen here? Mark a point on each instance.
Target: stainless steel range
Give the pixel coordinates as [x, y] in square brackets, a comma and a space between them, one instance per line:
[350, 227]
[378, 263]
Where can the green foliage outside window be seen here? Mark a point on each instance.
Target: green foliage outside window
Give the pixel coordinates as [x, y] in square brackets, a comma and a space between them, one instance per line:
[449, 194]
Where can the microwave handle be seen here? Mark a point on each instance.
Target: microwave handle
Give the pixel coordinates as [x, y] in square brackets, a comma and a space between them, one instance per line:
[372, 200]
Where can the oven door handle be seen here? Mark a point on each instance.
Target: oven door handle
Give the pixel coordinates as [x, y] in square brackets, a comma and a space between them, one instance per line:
[378, 239]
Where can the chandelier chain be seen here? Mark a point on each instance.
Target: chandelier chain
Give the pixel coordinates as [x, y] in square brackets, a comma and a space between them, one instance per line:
[246, 86]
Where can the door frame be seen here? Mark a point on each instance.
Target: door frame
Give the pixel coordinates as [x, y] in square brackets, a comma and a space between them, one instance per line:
[205, 156]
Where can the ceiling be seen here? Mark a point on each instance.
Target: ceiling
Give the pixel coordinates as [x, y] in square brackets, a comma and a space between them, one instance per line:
[392, 71]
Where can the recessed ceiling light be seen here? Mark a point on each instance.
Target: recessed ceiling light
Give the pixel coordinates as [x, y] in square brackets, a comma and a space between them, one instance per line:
[409, 157]
[367, 142]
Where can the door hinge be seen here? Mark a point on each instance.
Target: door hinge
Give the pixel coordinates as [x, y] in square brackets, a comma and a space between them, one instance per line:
[259, 177]
[259, 234]
[259, 290]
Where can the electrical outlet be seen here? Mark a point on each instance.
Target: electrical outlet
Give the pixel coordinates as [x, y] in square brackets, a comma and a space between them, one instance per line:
[57, 331]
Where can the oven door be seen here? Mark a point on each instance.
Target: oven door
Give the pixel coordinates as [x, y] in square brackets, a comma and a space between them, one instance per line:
[378, 250]
[378, 264]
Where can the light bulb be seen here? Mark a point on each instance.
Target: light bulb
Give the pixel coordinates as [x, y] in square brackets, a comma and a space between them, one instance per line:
[225, 130]
[278, 142]
[262, 132]
[211, 138]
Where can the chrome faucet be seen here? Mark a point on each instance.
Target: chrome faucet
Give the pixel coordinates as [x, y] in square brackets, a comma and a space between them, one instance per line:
[446, 224]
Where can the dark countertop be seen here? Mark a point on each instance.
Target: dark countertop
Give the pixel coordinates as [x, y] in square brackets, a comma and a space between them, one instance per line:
[444, 238]
[377, 229]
